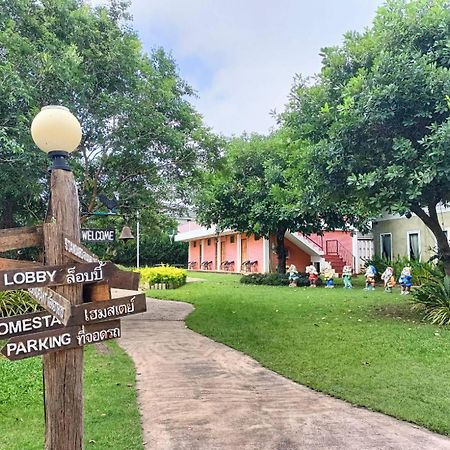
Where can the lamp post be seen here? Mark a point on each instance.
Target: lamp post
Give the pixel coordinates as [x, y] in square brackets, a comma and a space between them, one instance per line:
[57, 132]
[138, 240]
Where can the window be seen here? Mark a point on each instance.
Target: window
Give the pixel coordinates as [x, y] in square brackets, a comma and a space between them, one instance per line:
[386, 245]
[413, 246]
[194, 244]
[232, 239]
[209, 241]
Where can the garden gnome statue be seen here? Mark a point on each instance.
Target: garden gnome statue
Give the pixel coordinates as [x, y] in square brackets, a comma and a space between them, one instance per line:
[370, 278]
[293, 275]
[347, 277]
[388, 279]
[313, 276]
[405, 280]
[328, 273]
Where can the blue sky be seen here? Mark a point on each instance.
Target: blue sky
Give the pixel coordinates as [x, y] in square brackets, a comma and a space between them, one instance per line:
[241, 56]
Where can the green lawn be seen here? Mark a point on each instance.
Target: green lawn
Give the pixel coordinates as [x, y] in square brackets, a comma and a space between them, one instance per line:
[365, 347]
[112, 419]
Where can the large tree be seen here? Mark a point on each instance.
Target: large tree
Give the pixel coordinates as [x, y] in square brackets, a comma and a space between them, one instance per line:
[141, 136]
[251, 192]
[377, 118]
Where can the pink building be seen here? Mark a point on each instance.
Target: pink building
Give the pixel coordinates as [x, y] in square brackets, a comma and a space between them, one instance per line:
[236, 252]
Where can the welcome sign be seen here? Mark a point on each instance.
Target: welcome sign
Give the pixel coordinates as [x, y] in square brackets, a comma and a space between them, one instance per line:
[98, 235]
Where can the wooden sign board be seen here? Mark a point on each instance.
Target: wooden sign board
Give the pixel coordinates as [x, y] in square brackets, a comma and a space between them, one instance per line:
[107, 310]
[121, 279]
[84, 314]
[36, 344]
[97, 235]
[6, 263]
[44, 276]
[53, 302]
[16, 238]
[28, 323]
[77, 251]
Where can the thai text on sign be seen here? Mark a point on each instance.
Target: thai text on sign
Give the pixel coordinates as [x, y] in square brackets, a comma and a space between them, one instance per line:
[55, 275]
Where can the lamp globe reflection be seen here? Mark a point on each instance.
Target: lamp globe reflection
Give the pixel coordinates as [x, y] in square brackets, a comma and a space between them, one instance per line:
[56, 131]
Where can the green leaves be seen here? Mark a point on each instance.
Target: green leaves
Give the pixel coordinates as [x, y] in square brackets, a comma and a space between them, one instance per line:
[141, 136]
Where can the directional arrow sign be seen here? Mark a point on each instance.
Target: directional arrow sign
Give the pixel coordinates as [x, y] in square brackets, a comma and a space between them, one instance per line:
[44, 276]
[53, 302]
[28, 323]
[20, 347]
[120, 278]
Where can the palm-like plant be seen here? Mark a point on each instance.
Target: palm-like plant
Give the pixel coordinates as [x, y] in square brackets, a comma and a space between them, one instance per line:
[433, 297]
[16, 302]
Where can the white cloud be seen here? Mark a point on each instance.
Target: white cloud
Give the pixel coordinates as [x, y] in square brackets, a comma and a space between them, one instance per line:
[251, 49]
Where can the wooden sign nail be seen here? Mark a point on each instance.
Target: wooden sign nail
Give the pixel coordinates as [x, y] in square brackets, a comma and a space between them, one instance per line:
[28, 323]
[36, 344]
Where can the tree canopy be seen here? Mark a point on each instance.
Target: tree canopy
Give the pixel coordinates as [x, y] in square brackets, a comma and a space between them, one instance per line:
[141, 136]
[376, 120]
[251, 191]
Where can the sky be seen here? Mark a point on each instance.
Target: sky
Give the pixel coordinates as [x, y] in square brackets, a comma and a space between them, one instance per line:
[241, 56]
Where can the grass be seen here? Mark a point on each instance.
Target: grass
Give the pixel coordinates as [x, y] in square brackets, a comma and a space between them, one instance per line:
[364, 347]
[112, 418]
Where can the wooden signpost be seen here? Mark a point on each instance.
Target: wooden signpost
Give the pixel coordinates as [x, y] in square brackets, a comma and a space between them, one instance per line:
[71, 274]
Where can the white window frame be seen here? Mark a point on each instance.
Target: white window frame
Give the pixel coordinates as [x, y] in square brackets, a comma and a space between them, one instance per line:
[381, 244]
[408, 233]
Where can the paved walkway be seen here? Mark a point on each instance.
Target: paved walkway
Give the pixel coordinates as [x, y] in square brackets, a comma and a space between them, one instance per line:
[197, 394]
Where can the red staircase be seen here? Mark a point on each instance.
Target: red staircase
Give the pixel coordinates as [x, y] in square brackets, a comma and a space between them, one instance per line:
[337, 263]
[337, 255]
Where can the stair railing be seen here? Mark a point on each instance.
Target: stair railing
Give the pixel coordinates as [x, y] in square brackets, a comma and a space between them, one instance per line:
[334, 247]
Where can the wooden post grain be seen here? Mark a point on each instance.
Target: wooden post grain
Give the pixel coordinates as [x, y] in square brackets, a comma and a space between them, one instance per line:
[63, 370]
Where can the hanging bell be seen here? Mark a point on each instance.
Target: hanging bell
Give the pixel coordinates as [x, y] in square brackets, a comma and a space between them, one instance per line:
[126, 234]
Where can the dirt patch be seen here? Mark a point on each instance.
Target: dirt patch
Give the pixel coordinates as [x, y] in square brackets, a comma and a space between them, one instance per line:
[401, 311]
[103, 349]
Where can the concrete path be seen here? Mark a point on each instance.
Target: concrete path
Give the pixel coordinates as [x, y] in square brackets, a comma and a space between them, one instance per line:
[197, 394]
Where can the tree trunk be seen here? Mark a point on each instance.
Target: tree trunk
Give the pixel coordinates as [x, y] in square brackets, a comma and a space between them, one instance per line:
[281, 250]
[431, 220]
[7, 218]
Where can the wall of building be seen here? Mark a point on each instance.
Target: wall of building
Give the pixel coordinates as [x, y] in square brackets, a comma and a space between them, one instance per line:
[209, 251]
[296, 256]
[399, 228]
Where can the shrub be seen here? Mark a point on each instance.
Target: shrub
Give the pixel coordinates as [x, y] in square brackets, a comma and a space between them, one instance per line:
[172, 276]
[275, 279]
[17, 302]
[421, 271]
[433, 297]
